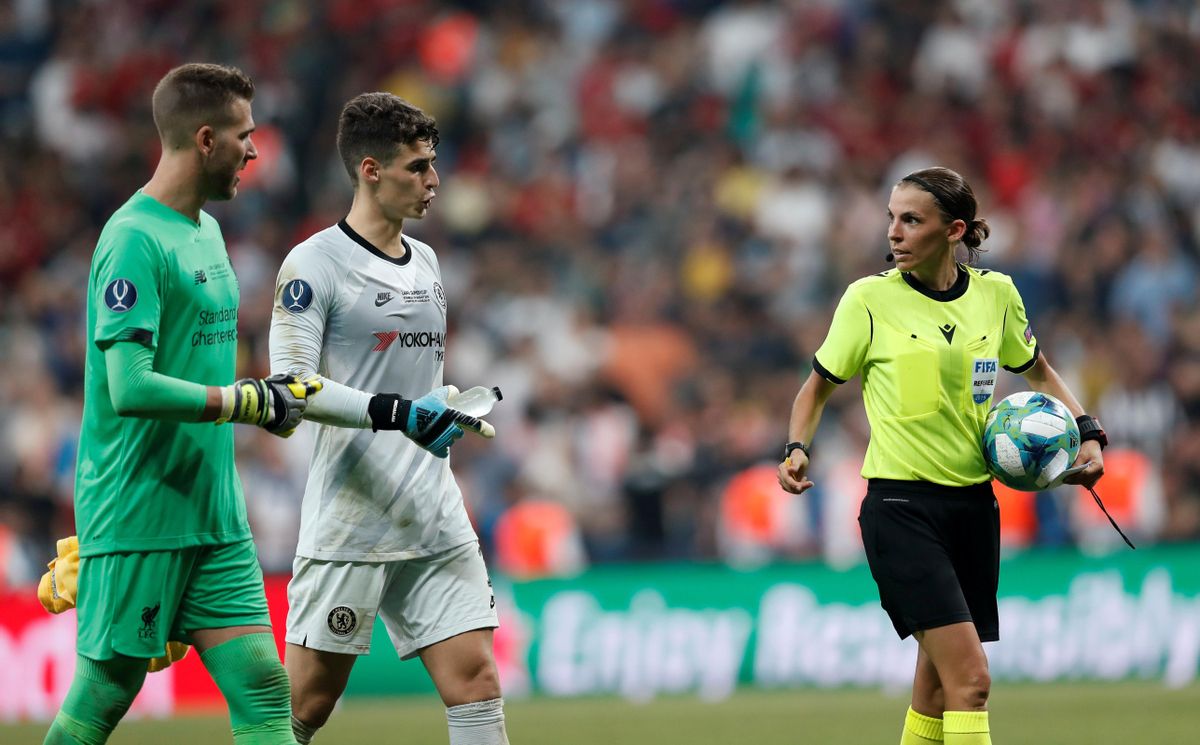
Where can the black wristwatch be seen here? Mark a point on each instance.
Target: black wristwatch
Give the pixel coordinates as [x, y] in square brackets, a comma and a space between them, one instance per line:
[797, 444]
[1090, 429]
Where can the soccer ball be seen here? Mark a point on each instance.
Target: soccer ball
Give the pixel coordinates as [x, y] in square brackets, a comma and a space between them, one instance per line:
[1029, 439]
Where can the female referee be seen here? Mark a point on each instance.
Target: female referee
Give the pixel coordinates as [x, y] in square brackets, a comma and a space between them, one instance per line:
[928, 338]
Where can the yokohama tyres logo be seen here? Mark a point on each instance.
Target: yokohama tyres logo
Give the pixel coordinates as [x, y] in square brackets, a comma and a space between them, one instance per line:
[410, 339]
[385, 340]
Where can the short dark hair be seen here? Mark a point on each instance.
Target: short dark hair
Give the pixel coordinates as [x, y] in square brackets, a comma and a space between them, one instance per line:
[377, 125]
[956, 201]
[195, 94]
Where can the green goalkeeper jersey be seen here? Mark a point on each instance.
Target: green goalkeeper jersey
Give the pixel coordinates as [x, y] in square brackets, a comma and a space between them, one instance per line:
[929, 362]
[159, 280]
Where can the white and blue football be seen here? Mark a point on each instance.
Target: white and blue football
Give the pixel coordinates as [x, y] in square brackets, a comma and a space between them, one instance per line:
[1029, 439]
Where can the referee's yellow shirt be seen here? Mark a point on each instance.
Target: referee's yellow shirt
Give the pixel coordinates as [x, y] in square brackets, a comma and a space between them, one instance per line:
[929, 362]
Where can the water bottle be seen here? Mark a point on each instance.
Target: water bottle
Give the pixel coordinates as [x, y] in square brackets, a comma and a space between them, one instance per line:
[476, 401]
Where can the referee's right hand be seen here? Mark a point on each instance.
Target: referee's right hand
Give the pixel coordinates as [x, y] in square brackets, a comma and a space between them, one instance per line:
[791, 472]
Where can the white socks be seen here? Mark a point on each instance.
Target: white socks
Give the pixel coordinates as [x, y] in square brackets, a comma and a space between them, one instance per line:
[480, 723]
[302, 732]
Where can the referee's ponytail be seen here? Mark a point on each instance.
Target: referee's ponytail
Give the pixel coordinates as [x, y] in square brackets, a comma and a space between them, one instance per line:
[976, 233]
[956, 201]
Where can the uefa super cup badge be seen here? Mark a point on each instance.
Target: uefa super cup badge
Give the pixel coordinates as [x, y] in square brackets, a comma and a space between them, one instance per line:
[296, 296]
[120, 295]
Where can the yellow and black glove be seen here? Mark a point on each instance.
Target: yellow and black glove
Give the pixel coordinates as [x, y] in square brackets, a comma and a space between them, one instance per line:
[276, 403]
[57, 588]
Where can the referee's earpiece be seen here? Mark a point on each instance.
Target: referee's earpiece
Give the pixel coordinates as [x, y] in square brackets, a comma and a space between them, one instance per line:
[889, 257]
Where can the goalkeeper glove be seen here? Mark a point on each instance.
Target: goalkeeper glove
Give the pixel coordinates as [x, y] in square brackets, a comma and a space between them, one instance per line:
[175, 652]
[57, 588]
[427, 421]
[276, 403]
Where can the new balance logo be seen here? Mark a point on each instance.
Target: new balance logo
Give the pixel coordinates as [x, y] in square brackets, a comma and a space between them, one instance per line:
[201, 278]
[382, 298]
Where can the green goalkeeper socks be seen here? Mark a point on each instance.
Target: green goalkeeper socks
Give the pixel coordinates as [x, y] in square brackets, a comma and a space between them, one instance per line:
[66, 731]
[100, 694]
[252, 680]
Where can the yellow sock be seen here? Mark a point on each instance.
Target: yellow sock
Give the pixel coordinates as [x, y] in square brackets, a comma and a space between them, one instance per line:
[920, 729]
[966, 728]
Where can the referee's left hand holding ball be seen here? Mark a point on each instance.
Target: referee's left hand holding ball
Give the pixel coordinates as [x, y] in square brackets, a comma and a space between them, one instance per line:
[792, 470]
[1090, 453]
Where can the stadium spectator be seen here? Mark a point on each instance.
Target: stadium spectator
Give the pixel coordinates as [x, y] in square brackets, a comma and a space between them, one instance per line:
[650, 135]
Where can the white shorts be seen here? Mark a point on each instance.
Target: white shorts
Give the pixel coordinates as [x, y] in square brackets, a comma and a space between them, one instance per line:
[332, 604]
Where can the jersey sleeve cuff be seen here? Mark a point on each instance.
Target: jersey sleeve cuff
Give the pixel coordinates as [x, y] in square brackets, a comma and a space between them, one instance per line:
[1022, 368]
[824, 373]
[145, 337]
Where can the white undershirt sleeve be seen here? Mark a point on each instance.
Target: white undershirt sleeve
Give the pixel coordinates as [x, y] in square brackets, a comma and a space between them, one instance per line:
[339, 405]
[295, 347]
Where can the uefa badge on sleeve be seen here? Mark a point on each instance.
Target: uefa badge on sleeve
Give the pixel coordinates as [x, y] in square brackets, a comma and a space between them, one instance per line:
[120, 295]
[296, 296]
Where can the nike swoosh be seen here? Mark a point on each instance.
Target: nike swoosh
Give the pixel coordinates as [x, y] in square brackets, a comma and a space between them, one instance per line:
[378, 302]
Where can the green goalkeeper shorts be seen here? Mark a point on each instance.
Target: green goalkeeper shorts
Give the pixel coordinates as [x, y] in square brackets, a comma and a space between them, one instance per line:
[132, 604]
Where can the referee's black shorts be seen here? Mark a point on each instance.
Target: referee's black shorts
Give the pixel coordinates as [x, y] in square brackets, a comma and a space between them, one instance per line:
[934, 551]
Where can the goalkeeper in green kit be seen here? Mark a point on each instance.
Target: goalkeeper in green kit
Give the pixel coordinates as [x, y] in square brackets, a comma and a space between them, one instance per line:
[164, 545]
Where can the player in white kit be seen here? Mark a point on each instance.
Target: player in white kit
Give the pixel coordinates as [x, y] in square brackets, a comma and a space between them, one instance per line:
[383, 530]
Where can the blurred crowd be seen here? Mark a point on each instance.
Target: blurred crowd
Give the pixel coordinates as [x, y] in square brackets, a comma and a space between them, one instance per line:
[648, 210]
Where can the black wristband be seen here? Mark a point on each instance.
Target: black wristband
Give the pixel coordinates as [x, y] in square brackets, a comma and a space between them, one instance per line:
[1090, 429]
[796, 444]
[387, 411]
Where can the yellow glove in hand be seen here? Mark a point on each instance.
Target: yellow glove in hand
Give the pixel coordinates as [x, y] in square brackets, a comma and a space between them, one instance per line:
[58, 587]
[176, 651]
[56, 590]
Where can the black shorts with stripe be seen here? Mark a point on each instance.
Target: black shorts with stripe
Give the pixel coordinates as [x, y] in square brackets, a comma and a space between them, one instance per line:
[934, 552]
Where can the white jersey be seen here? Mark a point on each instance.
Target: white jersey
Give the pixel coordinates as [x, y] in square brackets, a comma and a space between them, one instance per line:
[376, 324]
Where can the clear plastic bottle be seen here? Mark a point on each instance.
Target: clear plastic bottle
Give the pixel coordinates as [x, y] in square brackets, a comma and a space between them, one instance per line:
[476, 401]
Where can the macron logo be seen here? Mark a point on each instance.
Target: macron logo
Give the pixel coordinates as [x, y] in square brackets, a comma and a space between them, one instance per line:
[948, 332]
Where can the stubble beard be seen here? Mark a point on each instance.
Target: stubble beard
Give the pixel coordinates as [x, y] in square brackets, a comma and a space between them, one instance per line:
[222, 187]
